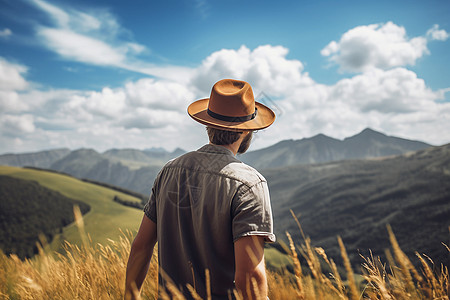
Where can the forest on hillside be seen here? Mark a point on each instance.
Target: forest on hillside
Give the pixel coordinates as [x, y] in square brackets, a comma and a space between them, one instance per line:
[28, 210]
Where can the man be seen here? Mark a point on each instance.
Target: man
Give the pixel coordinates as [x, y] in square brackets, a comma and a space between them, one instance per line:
[209, 212]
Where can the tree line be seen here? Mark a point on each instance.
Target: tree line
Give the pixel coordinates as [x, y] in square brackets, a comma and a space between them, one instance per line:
[28, 210]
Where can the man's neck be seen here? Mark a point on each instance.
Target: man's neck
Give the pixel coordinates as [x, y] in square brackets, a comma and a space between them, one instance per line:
[235, 146]
[229, 147]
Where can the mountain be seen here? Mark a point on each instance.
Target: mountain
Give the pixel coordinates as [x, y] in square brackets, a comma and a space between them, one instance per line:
[356, 199]
[135, 169]
[135, 158]
[112, 167]
[78, 163]
[42, 159]
[321, 148]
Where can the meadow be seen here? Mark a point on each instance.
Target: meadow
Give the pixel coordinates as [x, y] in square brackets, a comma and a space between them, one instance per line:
[88, 260]
[98, 272]
[104, 219]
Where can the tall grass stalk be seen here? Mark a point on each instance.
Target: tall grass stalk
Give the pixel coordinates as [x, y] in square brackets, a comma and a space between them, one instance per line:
[354, 295]
[98, 272]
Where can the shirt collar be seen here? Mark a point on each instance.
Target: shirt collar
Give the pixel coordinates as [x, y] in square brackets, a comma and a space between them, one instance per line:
[216, 149]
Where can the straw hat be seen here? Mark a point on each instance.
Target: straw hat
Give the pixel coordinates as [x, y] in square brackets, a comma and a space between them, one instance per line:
[232, 107]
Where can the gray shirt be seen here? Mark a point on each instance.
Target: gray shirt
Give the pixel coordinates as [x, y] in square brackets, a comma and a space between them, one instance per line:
[202, 202]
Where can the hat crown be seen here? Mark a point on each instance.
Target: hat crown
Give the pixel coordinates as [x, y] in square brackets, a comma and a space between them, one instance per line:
[232, 98]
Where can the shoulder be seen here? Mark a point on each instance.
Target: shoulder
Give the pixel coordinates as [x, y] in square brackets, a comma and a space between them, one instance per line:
[216, 162]
[244, 173]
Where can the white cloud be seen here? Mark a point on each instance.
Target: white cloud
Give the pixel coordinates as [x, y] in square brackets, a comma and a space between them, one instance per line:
[393, 91]
[159, 94]
[11, 76]
[10, 101]
[331, 48]
[15, 125]
[5, 33]
[152, 112]
[375, 46]
[81, 48]
[95, 38]
[145, 118]
[11, 81]
[437, 34]
[108, 103]
[395, 101]
[266, 68]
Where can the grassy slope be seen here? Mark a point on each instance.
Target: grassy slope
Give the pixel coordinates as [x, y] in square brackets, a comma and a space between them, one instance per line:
[106, 216]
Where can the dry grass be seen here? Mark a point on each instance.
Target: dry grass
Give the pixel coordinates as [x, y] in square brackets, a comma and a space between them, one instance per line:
[98, 272]
[80, 273]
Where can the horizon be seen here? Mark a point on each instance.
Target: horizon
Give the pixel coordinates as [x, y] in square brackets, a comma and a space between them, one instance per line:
[249, 150]
[106, 74]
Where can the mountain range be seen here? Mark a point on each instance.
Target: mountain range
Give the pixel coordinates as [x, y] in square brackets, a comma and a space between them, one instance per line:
[136, 169]
[321, 148]
[128, 168]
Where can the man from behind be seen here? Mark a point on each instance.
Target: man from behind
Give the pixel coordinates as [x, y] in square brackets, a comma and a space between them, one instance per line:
[209, 212]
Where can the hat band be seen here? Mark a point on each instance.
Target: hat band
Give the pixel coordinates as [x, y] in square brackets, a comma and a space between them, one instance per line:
[232, 119]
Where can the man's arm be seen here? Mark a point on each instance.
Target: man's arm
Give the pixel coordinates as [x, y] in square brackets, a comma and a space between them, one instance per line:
[250, 274]
[140, 256]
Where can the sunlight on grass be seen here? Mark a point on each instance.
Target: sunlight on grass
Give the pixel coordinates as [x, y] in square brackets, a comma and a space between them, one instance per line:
[106, 216]
[98, 272]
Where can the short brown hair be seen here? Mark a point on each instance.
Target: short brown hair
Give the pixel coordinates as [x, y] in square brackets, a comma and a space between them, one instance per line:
[222, 137]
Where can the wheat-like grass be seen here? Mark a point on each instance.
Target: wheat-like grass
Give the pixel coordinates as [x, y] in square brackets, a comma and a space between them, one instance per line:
[98, 272]
[354, 295]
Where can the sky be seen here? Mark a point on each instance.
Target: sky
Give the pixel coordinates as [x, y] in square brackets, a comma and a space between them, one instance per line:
[120, 74]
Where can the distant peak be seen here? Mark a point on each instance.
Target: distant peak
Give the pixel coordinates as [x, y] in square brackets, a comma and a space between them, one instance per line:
[370, 131]
[85, 150]
[321, 137]
[367, 133]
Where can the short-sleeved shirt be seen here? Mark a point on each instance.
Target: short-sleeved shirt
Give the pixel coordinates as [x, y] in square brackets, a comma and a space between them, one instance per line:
[202, 202]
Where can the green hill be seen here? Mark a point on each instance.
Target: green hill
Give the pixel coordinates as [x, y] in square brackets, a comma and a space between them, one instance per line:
[106, 218]
[28, 210]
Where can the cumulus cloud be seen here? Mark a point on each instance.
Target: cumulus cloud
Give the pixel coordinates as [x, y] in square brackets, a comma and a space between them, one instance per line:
[395, 101]
[394, 91]
[11, 75]
[11, 81]
[152, 112]
[10, 101]
[376, 46]
[16, 125]
[437, 34]
[159, 94]
[265, 67]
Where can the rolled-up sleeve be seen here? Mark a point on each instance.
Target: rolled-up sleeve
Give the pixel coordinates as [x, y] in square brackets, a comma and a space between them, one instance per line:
[150, 207]
[252, 213]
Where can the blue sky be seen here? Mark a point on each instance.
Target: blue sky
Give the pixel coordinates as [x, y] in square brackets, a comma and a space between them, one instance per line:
[116, 74]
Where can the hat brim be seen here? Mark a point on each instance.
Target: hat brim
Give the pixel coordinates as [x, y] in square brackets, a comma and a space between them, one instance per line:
[264, 117]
